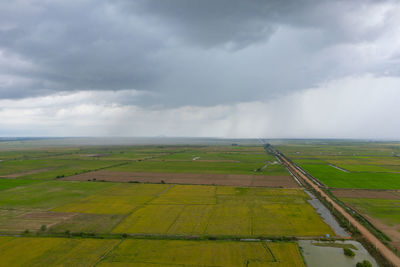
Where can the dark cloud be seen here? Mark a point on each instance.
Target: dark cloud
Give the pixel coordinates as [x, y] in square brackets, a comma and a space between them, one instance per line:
[200, 52]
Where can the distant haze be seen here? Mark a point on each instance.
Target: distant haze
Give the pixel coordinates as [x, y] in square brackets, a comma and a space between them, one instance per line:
[220, 68]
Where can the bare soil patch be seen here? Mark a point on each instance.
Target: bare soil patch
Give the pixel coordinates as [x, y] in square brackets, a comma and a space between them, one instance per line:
[187, 178]
[366, 193]
[16, 223]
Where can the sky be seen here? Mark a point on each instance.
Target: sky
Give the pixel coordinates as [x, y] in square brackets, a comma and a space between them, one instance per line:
[200, 68]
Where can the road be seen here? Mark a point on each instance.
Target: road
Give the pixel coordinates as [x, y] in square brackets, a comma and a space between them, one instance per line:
[385, 251]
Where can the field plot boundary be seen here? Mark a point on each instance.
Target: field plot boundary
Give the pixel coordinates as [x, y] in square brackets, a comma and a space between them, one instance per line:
[188, 178]
[366, 193]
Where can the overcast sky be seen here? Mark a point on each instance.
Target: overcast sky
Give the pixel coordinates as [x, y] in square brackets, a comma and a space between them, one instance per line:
[214, 68]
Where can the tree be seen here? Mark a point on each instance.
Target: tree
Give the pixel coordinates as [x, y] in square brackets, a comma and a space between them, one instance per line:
[348, 252]
[364, 263]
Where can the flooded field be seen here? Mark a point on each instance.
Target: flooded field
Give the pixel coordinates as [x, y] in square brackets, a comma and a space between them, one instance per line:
[318, 253]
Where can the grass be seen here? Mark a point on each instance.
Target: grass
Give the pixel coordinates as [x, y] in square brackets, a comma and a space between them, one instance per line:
[47, 164]
[10, 183]
[49, 168]
[336, 178]
[386, 210]
[201, 167]
[48, 195]
[203, 253]
[52, 251]
[371, 165]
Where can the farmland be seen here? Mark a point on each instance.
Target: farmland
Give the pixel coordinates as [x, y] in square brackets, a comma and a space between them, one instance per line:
[87, 252]
[348, 164]
[365, 176]
[161, 209]
[52, 251]
[202, 253]
[153, 206]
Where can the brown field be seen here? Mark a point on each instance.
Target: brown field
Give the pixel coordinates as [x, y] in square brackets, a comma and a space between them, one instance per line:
[365, 193]
[188, 178]
[17, 221]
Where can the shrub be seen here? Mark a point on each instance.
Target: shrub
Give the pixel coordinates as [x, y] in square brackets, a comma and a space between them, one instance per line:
[348, 252]
[26, 231]
[43, 227]
[364, 263]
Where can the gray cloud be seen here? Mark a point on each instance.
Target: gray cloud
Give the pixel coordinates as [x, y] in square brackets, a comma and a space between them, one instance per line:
[200, 52]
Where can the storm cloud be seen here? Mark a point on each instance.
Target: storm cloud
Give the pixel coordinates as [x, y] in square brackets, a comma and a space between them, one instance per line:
[175, 56]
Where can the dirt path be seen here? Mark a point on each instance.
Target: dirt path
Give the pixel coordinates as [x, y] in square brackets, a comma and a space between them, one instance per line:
[386, 252]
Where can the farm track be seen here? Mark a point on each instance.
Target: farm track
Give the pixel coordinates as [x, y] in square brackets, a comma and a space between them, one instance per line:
[385, 251]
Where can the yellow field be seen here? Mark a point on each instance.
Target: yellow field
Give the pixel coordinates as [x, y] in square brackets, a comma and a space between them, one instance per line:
[230, 220]
[188, 194]
[156, 219]
[119, 199]
[204, 210]
[234, 212]
[192, 220]
[52, 251]
[203, 253]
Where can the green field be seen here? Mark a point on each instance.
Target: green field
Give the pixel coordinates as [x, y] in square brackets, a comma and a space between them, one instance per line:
[333, 177]
[46, 195]
[10, 183]
[368, 165]
[201, 167]
[386, 210]
[47, 164]
[50, 168]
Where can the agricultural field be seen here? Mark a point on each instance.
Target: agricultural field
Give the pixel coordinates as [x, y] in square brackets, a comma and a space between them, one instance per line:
[361, 165]
[202, 253]
[138, 252]
[152, 206]
[145, 164]
[159, 209]
[16, 251]
[49, 168]
[205, 210]
[381, 208]
[365, 176]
